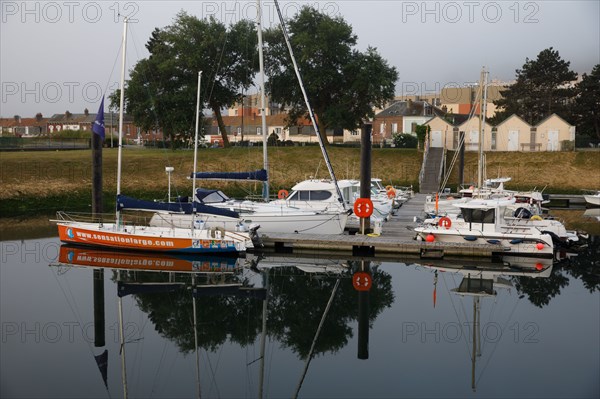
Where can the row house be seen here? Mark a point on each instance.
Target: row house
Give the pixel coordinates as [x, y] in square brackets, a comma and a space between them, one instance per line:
[513, 134]
[23, 127]
[402, 117]
[250, 129]
[84, 121]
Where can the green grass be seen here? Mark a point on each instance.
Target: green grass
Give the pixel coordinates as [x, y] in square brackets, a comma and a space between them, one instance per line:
[44, 182]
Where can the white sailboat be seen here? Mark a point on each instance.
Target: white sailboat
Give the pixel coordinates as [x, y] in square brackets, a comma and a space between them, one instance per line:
[120, 235]
[278, 216]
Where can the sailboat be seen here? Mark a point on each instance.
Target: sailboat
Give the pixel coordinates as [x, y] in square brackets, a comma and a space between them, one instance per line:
[279, 216]
[121, 235]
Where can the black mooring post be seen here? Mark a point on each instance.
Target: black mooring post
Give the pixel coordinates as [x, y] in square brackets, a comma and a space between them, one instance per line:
[365, 171]
[97, 205]
[99, 319]
[363, 318]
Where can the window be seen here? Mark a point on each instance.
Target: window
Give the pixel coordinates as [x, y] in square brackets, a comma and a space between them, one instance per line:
[382, 128]
[354, 133]
[310, 195]
[494, 133]
[413, 127]
[394, 128]
[259, 131]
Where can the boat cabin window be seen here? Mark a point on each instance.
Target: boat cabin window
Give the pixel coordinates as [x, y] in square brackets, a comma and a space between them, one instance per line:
[478, 215]
[310, 195]
[215, 197]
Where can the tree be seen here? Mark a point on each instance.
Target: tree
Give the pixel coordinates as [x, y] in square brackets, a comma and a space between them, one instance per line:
[342, 83]
[405, 140]
[421, 132]
[542, 88]
[161, 92]
[587, 104]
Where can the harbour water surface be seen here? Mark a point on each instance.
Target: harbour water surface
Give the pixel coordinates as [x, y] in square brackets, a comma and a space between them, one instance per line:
[284, 327]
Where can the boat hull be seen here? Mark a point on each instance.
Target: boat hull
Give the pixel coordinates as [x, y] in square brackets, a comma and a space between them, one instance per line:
[152, 239]
[592, 199]
[305, 223]
[508, 244]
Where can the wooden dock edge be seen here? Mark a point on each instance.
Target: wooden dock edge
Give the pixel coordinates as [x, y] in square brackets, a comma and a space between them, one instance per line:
[372, 246]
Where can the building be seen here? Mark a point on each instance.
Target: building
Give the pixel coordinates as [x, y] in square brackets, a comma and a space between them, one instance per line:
[513, 134]
[402, 117]
[23, 127]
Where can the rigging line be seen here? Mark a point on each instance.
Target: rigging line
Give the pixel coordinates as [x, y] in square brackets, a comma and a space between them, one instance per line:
[456, 313]
[496, 344]
[461, 141]
[218, 66]
[308, 106]
[212, 375]
[314, 342]
[80, 320]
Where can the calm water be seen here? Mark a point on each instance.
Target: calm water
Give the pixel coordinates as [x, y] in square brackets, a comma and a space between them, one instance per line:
[537, 329]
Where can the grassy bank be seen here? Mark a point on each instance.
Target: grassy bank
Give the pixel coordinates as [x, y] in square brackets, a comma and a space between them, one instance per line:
[43, 182]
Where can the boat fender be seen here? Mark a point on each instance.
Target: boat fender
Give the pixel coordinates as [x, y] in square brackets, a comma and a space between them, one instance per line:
[536, 217]
[470, 238]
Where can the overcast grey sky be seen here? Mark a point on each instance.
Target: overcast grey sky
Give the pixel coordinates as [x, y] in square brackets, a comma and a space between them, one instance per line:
[60, 55]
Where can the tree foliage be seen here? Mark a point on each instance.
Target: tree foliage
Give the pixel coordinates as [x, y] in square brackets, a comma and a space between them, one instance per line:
[405, 140]
[161, 92]
[342, 83]
[587, 104]
[542, 88]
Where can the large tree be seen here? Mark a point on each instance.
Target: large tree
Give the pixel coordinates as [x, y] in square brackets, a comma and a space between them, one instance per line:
[542, 88]
[162, 88]
[587, 104]
[342, 83]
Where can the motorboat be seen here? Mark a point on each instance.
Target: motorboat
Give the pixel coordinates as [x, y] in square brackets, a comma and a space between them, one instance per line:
[483, 222]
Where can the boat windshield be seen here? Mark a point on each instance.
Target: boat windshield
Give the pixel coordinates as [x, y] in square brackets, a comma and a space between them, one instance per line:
[211, 196]
[471, 215]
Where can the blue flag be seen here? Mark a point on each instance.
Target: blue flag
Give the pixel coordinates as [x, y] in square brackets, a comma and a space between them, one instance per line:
[98, 125]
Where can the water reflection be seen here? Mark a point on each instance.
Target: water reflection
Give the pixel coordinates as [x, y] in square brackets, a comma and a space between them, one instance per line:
[310, 305]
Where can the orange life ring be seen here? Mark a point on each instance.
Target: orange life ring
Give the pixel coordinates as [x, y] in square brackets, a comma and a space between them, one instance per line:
[363, 207]
[391, 193]
[445, 222]
[282, 194]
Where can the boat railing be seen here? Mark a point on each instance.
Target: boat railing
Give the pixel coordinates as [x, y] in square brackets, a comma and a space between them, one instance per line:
[83, 217]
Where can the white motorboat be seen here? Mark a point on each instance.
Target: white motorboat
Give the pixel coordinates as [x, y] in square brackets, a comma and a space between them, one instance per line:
[483, 223]
[593, 198]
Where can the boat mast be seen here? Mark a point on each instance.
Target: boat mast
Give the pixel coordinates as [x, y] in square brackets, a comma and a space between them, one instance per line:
[482, 111]
[263, 115]
[308, 107]
[121, 104]
[196, 148]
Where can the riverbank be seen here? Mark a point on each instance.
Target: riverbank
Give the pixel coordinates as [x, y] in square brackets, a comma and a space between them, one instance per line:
[40, 183]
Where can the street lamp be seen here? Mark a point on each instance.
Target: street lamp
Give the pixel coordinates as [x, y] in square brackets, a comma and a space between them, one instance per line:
[169, 170]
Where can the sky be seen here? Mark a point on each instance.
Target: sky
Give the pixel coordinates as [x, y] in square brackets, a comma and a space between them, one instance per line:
[62, 55]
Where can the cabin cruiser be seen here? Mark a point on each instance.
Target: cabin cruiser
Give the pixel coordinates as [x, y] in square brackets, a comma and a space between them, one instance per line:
[483, 222]
[272, 217]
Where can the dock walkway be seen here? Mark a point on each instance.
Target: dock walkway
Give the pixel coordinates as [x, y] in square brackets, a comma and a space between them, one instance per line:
[396, 238]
